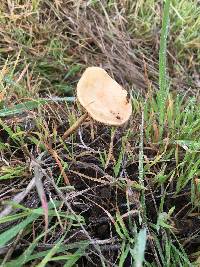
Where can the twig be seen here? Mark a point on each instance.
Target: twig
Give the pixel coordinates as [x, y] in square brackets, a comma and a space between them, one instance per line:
[18, 198]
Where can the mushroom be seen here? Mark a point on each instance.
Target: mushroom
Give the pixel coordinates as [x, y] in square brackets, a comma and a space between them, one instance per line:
[102, 98]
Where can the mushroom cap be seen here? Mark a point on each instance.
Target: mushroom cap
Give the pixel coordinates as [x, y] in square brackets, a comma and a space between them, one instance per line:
[103, 98]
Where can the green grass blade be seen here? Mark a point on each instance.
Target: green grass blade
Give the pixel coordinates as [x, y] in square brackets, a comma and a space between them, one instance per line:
[53, 251]
[26, 256]
[76, 256]
[9, 234]
[6, 236]
[163, 47]
[124, 253]
[14, 217]
[19, 108]
[139, 248]
[29, 105]
[141, 169]
[163, 87]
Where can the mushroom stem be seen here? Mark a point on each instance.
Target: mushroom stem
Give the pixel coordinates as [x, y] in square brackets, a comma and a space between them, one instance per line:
[75, 126]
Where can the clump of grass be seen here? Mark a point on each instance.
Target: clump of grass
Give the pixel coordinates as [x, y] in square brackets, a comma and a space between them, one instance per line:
[184, 24]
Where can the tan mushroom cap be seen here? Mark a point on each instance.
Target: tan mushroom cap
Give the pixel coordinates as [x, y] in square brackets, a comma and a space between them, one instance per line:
[103, 98]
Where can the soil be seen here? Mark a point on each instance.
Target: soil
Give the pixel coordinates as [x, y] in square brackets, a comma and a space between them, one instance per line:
[98, 195]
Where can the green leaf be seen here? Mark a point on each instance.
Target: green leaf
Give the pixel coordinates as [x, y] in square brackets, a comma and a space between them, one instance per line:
[124, 252]
[12, 232]
[121, 227]
[117, 166]
[163, 217]
[163, 87]
[139, 248]
[14, 217]
[6, 236]
[29, 105]
[19, 108]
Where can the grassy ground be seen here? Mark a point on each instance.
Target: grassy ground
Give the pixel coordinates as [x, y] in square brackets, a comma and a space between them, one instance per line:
[133, 192]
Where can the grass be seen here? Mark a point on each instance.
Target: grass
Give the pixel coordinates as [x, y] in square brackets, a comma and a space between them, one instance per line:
[133, 198]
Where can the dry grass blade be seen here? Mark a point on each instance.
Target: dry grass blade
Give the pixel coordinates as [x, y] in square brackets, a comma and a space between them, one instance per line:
[56, 157]
[110, 152]
[40, 189]
[75, 126]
